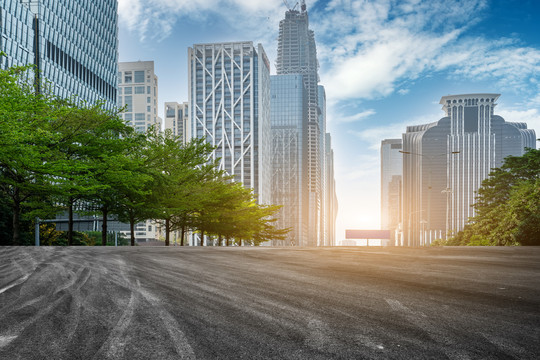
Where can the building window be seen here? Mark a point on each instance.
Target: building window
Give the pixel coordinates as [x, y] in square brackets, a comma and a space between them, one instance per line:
[129, 103]
[139, 76]
[139, 89]
[128, 90]
[128, 77]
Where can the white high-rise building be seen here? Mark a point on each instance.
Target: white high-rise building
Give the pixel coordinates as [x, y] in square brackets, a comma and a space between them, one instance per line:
[177, 120]
[138, 91]
[229, 106]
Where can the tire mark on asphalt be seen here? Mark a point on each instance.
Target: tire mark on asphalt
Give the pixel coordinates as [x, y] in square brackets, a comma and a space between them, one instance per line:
[15, 283]
[436, 333]
[6, 339]
[114, 346]
[508, 347]
[178, 338]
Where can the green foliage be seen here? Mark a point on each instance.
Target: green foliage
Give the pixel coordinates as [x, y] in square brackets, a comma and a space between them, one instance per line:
[507, 205]
[58, 155]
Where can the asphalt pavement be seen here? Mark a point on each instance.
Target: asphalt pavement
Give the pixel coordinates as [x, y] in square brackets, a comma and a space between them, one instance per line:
[269, 303]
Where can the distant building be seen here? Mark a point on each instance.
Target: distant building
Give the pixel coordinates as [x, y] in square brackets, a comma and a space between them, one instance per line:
[138, 92]
[74, 44]
[289, 156]
[391, 172]
[331, 203]
[177, 120]
[229, 102]
[445, 162]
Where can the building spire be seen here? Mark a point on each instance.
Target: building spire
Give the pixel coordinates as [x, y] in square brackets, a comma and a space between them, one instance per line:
[303, 6]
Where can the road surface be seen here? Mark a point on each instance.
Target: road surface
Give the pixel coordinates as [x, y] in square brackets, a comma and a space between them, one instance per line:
[263, 303]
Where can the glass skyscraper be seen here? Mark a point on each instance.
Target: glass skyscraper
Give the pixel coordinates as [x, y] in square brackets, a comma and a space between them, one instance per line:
[445, 162]
[229, 106]
[297, 54]
[289, 155]
[73, 43]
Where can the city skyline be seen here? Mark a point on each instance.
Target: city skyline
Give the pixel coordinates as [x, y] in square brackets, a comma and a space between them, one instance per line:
[384, 66]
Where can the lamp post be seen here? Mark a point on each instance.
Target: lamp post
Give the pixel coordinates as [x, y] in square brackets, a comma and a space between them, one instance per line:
[430, 157]
[447, 191]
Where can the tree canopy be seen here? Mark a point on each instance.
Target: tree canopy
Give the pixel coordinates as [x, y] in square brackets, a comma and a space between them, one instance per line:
[62, 156]
[507, 205]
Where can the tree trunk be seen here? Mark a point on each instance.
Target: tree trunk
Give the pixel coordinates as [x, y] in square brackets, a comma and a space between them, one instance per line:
[104, 226]
[167, 231]
[70, 221]
[219, 240]
[132, 230]
[202, 237]
[182, 235]
[226, 241]
[16, 217]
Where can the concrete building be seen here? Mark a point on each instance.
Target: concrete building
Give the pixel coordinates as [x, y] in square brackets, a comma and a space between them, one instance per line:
[177, 120]
[289, 156]
[391, 174]
[297, 54]
[138, 92]
[229, 106]
[445, 162]
[73, 43]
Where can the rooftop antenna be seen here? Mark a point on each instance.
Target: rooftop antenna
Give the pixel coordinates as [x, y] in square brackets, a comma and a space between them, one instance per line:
[288, 6]
[303, 6]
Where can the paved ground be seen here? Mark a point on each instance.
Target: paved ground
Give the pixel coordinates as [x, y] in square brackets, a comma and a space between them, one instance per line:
[253, 303]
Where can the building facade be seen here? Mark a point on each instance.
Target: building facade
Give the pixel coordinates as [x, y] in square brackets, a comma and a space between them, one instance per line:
[391, 173]
[297, 54]
[72, 43]
[445, 162]
[138, 93]
[138, 96]
[331, 203]
[177, 120]
[289, 156]
[229, 106]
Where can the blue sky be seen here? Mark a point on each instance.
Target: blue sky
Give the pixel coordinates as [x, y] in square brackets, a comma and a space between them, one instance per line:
[385, 64]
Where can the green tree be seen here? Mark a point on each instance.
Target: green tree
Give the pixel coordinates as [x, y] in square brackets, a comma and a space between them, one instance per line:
[507, 205]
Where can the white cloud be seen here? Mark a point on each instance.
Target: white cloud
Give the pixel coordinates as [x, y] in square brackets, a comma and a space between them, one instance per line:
[353, 118]
[155, 19]
[368, 49]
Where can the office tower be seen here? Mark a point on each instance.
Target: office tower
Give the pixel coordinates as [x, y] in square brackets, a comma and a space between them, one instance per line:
[391, 172]
[445, 162]
[229, 102]
[138, 93]
[323, 230]
[297, 54]
[72, 43]
[331, 203]
[289, 155]
[177, 120]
